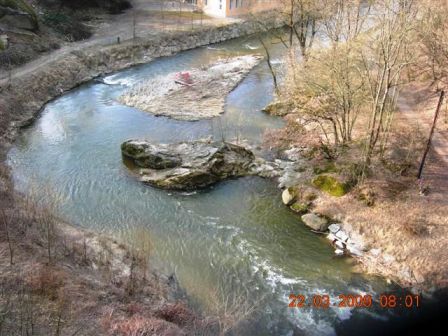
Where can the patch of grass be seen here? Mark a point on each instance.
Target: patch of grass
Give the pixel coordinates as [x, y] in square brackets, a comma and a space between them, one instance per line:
[330, 185]
[299, 207]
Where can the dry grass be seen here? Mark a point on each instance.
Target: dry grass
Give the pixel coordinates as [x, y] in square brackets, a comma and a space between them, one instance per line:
[138, 325]
[409, 230]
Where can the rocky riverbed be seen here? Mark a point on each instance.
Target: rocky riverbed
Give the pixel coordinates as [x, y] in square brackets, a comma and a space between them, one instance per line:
[194, 94]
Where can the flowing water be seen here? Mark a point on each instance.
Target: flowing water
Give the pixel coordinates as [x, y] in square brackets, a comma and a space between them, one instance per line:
[233, 240]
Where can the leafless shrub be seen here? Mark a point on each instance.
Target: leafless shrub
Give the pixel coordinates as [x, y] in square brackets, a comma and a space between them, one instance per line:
[177, 313]
[46, 224]
[140, 245]
[136, 325]
[230, 309]
[61, 313]
[46, 281]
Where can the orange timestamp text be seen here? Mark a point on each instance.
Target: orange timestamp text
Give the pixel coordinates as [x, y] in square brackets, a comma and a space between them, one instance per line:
[354, 301]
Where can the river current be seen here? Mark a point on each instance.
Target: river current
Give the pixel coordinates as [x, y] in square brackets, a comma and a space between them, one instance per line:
[235, 240]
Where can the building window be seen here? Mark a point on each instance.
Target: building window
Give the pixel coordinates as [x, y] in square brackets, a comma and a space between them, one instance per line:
[220, 4]
[230, 4]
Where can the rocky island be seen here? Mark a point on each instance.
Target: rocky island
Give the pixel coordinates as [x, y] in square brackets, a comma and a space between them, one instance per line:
[188, 165]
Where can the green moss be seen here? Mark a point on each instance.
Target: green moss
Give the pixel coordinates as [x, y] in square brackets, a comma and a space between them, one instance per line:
[330, 185]
[299, 207]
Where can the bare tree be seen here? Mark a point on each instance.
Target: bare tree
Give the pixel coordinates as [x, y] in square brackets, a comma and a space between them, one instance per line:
[271, 69]
[433, 33]
[7, 233]
[389, 54]
[302, 18]
[345, 19]
[46, 224]
[330, 92]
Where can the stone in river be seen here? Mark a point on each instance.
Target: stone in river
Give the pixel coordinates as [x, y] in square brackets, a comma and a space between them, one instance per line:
[315, 222]
[188, 165]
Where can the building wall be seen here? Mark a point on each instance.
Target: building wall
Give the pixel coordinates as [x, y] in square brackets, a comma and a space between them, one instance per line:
[226, 8]
[241, 7]
[215, 8]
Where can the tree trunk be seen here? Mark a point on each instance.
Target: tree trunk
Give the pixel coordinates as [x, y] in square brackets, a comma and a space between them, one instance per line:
[428, 145]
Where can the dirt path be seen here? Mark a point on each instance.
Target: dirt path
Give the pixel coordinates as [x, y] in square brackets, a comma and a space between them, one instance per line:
[148, 21]
[417, 105]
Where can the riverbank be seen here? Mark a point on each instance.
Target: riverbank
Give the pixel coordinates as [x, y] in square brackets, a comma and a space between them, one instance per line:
[399, 226]
[21, 101]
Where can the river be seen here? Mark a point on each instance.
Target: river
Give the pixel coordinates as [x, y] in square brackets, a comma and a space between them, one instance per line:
[235, 240]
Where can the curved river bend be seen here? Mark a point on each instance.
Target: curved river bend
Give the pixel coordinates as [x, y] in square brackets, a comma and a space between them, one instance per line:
[236, 238]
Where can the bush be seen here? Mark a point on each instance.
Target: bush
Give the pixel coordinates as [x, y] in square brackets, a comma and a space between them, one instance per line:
[112, 6]
[47, 281]
[330, 185]
[177, 313]
[71, 29]
[16, 55]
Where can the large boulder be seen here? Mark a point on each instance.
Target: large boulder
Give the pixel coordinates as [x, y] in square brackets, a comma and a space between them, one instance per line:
[149, 156]
[288, 196]
[188, 165]
[315, 222]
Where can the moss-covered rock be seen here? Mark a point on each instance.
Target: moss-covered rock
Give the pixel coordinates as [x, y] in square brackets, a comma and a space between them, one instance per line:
[299, 207]
[330, 185]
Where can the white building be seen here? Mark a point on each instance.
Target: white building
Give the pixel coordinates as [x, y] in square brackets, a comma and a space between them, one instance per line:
[229, 8]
